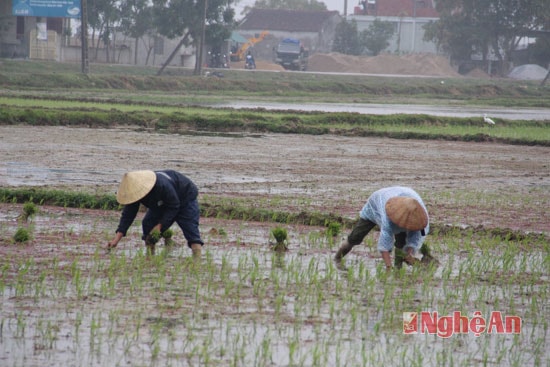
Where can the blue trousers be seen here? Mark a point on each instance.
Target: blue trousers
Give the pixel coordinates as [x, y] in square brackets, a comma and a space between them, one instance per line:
[187, 219]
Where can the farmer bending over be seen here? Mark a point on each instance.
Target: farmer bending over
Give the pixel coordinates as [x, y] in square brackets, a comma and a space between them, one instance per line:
[169, 197]
[401, 216]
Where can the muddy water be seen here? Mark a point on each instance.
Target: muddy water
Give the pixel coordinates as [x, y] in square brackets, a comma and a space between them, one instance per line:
[390, 109]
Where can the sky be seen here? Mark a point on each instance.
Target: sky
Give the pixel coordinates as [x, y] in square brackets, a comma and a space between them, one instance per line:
[337, 5]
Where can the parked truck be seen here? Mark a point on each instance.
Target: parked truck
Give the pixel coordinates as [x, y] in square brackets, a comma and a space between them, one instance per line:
[291, 54]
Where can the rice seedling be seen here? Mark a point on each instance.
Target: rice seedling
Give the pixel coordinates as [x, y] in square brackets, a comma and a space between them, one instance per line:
[333, 229]
[29, 211]
[281, 242]
[21, 326]
[22, 235]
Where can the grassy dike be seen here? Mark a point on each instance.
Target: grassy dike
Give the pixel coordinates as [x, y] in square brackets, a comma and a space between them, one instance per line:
[199, 119]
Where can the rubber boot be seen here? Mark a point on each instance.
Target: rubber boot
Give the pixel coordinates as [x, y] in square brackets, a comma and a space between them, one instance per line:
[342, 251]
[197, 249]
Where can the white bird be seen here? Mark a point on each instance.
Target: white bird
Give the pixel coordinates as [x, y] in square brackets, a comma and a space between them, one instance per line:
[488, 120]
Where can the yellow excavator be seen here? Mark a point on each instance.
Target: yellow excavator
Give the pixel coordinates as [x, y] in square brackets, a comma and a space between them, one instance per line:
[239, 53]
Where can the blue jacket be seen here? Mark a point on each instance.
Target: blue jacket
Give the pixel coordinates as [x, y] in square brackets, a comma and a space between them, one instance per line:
[375, 211]
[171, 190]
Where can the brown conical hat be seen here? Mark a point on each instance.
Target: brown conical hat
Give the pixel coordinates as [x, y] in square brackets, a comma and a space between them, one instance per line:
[135, 185]
[407, 213]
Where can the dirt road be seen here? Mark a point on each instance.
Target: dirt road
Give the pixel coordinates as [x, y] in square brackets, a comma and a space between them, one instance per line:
[463, 183]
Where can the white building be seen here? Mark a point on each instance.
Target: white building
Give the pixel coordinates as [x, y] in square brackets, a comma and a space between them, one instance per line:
[408, 18]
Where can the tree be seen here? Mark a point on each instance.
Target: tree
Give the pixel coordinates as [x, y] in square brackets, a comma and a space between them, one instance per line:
[103, 16]
[346, 39]
[219, 30]
[136, 21]
[453, 34]
[290, 5]
[466, 27]
[184, 18]
[376, 37]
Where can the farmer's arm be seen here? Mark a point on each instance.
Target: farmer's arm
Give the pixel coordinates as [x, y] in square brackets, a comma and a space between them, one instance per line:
[126, 219]
[387, 258]
[385, 246]
[114, 242]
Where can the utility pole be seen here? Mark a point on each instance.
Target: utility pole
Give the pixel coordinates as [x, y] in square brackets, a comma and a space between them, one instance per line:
[414, 27]
[198, 65]
[345, 9]
[84, 36]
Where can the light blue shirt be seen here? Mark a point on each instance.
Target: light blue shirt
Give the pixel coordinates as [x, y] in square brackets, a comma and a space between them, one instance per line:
[375, 211]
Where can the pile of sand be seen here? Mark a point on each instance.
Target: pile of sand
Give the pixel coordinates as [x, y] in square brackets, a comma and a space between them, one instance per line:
[528, 72]
[411, 64]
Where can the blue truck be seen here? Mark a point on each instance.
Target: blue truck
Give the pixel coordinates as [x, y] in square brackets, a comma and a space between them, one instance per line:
[291, 54]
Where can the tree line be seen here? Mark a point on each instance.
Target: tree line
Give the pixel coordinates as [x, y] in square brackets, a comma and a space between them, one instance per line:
[464, 27]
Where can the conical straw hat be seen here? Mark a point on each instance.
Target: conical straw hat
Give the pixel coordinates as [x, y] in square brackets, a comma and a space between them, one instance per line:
[135, 185]
[407, 213]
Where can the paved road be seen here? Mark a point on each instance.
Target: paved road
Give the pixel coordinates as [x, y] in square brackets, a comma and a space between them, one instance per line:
[388, 109]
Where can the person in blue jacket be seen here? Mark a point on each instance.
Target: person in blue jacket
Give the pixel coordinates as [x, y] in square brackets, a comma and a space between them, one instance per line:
[168, 196]
[402, 218]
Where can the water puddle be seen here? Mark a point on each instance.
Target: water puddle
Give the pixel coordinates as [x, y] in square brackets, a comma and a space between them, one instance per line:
[27, 174]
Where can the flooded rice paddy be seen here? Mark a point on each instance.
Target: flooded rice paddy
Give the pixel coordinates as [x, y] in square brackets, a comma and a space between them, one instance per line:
[68, 302]
[65, 301]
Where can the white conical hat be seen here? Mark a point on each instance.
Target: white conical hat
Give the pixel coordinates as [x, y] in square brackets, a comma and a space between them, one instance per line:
[135, 185]
[407, 213]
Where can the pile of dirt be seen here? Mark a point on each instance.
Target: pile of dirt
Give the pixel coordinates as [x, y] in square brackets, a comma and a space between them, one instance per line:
[477, 73]
[411, 64]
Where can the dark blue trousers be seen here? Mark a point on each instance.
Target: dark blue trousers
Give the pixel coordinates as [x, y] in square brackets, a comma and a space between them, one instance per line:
[187, 219]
